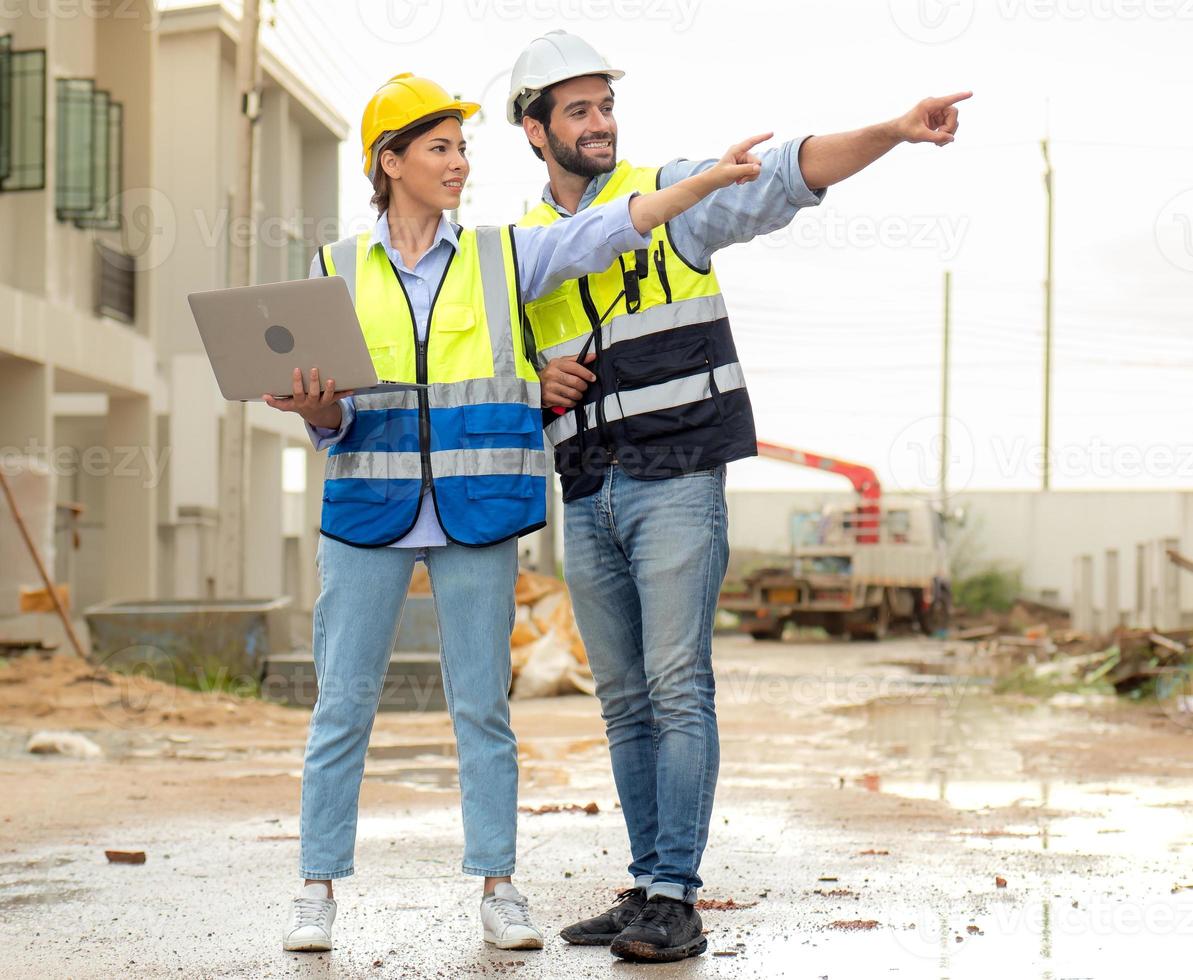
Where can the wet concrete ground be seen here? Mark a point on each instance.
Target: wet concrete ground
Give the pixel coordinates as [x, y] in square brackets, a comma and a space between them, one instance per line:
[868, 806]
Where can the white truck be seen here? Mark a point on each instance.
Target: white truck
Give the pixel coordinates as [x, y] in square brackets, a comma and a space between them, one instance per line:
[855, 570]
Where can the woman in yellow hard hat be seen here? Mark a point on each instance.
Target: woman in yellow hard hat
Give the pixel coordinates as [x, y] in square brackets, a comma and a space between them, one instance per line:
[452, 473]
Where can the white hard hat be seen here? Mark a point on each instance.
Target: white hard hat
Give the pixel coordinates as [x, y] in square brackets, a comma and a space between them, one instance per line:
[554, 57]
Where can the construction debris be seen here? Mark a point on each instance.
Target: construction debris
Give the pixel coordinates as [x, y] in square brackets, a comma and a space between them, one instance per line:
[589, 808]
[1049, 658]
[125, 857]
[546, 653]
[63, 743]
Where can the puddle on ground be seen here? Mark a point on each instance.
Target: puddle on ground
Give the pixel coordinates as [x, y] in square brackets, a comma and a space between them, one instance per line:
[423, 777]
[961, 752]
[413, 750]
[41, 893]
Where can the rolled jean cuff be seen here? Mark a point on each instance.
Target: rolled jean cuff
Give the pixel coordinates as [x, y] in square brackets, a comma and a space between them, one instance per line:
[325, 875]
[488, 874]
[643, 881]
[671, 889]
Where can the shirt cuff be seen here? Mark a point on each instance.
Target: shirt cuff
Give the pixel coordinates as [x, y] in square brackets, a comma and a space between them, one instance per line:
[323, 437]
[798, 191]
[619, 229]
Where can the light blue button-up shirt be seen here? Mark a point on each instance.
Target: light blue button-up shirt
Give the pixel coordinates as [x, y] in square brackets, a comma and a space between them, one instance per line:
[547, 256]
[733, 214]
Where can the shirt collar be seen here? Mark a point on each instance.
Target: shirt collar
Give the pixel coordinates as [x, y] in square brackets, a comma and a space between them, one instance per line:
[444, 233]
[595, 186]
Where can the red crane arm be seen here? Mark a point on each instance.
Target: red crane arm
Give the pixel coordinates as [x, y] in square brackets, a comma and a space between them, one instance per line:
[864, 480]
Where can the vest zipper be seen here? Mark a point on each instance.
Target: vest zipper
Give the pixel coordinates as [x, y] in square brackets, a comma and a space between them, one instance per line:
[420, 376]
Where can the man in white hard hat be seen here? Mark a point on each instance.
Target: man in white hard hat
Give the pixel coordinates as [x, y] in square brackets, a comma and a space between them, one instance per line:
[649, 403]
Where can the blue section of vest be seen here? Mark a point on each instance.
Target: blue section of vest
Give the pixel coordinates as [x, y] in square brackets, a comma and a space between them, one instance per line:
[379, 503]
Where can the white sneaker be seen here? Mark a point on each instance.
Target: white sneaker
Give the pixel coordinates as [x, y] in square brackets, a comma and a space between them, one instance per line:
[506, 917]
[310, 921]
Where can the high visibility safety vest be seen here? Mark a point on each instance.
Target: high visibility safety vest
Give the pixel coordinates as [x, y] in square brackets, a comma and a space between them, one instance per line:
[473, 439]
[670, 397]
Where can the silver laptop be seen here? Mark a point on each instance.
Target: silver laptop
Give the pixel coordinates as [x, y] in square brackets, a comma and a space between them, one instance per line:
[256, 336]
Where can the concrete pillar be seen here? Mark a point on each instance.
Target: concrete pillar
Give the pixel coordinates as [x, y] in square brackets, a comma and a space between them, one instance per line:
[1142, 585]
[1083, 593]
[312, 515]
[194, 552]
[264, 545]
[130, 500]
[1111, 615]
[1170, 586]
[1152, 619]
[27, 422]
[193, 498]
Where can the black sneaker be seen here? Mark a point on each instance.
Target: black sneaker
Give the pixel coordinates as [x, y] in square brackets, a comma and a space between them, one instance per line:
[602, 929]
[666, 929]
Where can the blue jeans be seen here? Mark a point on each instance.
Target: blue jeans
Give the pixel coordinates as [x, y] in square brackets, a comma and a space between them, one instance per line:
[644, 561]
[356, 622]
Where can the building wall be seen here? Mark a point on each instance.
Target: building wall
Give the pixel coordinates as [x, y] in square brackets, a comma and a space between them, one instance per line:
[76, 385]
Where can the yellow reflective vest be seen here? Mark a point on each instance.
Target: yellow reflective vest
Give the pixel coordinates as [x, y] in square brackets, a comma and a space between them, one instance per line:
[473, 437]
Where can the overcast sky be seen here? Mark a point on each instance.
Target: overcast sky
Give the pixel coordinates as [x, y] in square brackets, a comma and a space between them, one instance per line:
[838, 318]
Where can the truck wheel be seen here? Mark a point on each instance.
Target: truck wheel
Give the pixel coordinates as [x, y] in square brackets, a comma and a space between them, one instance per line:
[772, 633]
[875, 626]
[835, 625]
[882, 621]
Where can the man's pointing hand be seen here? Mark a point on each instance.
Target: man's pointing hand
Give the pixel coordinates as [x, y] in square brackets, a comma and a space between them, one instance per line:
[933, 120]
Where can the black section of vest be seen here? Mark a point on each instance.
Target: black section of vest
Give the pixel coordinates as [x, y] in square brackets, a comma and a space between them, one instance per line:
[659, 445]
[322, 260]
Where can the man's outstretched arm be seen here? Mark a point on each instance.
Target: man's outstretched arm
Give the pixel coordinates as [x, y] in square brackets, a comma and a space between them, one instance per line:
[828, 160]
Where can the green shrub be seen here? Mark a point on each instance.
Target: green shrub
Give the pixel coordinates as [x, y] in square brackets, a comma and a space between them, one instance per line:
[993, 589]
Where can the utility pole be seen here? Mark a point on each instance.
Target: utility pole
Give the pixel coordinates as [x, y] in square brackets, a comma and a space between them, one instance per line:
[944, 395]
[1047, 319]
[234, 451]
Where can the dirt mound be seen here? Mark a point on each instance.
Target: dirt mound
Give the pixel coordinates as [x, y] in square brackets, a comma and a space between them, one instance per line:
[37, 688]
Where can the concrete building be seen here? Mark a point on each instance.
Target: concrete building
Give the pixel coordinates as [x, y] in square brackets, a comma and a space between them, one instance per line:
[298, 195]
[78, 333]
[116, 168]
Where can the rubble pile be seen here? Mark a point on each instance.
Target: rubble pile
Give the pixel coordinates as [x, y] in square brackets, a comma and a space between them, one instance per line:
[546, 652]
[1130, 662]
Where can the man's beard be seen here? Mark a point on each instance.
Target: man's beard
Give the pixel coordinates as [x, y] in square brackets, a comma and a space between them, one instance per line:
[574, 161]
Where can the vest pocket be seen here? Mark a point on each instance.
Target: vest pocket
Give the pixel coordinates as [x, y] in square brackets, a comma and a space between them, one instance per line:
[497, 425]
[684, 395]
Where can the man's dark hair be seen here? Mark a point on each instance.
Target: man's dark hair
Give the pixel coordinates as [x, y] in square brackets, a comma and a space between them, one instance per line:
[540, 111]
[399, 144]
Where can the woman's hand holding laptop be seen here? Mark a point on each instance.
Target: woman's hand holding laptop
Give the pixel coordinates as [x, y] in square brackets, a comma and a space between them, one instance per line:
[317, 404]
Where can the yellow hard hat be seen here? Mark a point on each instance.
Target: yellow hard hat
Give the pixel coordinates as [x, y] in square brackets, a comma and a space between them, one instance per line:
[404, 101]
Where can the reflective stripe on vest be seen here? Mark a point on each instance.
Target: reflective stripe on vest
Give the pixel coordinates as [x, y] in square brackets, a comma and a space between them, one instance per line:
[656, 398]
[473, 435]
[657, 319]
